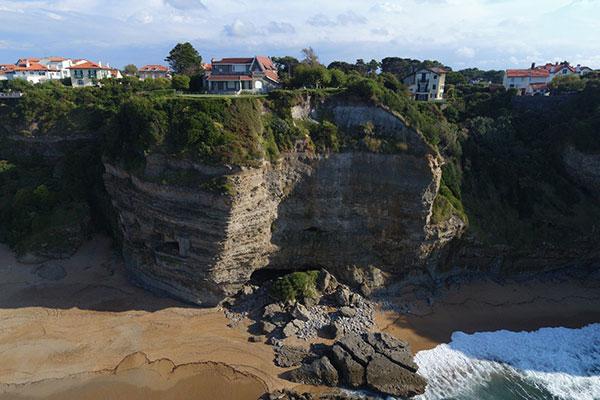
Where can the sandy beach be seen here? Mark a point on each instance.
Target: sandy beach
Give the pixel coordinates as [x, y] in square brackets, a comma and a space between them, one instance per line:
[94, 318]
[93, 335]
[481, 306]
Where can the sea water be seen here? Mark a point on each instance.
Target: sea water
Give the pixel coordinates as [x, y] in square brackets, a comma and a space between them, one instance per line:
[550, 363]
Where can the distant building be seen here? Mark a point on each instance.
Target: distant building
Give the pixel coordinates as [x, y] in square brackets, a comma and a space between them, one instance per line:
[232, 75]
[154, 71]
[28, 70]
[426, 84]
[534, 81]
[84, 73]
[60, 64]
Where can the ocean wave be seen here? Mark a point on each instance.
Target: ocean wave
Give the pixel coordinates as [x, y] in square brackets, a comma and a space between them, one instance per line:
[550, 363]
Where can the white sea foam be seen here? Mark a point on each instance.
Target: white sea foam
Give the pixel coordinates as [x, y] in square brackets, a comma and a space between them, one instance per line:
[549, 363]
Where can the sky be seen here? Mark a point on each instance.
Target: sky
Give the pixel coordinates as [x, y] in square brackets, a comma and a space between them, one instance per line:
[488, 34]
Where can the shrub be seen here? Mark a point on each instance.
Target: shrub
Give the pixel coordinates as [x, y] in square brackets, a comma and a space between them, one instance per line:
[293, 285]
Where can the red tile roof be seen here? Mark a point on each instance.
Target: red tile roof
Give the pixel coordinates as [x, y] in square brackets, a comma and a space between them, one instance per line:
[270, 70]
[229, 78]
[33, 67]
[234, 61]
[57, 59]
[206, 66]
[154, 68]
[535, 73]
[438, 70]
[31, 60]
[537, 86]
[88, 65]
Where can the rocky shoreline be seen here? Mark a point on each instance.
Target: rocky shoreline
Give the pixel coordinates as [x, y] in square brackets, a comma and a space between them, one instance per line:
[358, 359]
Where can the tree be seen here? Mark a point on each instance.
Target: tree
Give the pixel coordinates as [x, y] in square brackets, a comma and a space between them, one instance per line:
[311, 76]
[180, 82]
[19, 85]
[184, 59]
[566, 83]
[310, 58]
[285, 65]
[455, 78]
[131, 70]
[338, 78]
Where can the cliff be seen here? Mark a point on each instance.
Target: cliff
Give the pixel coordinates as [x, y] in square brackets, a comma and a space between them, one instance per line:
[202, 241]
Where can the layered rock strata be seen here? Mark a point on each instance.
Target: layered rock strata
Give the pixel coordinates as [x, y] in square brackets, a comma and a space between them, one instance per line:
[356, 210]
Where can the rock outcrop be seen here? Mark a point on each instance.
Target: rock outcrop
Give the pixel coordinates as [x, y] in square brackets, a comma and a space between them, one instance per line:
[353, 211]
[584, 168]
[375, 361]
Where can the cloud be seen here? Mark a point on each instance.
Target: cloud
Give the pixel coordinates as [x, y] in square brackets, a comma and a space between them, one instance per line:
[321, 20]
[387, 7]
[186, 4]
[240, 29]
[55, 16]
[350, 18]
[280, 27]
[467, 52]
[345, 18]
[380, 31]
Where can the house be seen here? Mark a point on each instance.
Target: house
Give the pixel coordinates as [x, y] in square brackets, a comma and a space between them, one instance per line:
[154, 71]
[60, 64]
[30, 70]
[533, 81]
[232, 75]
[522, 79]
[426, 84]
[85, 73]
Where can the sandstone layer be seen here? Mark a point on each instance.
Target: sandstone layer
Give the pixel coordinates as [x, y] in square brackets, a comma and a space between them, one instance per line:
[350, 210]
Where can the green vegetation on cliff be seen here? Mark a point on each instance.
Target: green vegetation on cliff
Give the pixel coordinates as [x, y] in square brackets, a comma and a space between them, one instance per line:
[503, 170]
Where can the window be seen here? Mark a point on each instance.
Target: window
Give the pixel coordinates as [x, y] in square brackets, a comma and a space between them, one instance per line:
[564, 71]
[435, 77]
[512, 79]
[80, 82]
[434, 87]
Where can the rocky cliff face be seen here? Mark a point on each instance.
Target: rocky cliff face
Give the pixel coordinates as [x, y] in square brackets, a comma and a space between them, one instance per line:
[355, 210]
[584, 168]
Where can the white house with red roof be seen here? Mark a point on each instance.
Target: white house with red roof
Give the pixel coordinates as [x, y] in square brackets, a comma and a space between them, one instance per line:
[426, 84]
[86, 73]
[58, 63]
[534, 81]
[233, 75]
[154, 71]
[29, 69]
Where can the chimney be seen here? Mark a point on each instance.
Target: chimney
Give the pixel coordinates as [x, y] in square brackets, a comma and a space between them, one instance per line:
[532, 65]
[108, 64]
[212, 60]
[100, 63]
[27, 63]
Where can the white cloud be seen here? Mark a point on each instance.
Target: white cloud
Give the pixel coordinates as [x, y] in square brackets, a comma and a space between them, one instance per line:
[467, 52]
[55, 16]
[321, 20]
[350, 17]
[240, 29]
[280, 27]
[186, 4]
[387, 7]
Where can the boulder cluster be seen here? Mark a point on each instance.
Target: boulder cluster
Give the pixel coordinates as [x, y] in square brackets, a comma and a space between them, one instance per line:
[374, 361]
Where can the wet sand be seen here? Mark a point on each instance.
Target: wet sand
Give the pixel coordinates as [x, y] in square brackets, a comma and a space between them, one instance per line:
[481, 306]
[137, 378]
[93, 318]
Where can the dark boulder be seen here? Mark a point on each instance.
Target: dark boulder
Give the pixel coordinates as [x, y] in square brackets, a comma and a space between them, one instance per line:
[351, 372]
[319, 372]
[385, 376]
[357, 347]
[395, 349]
